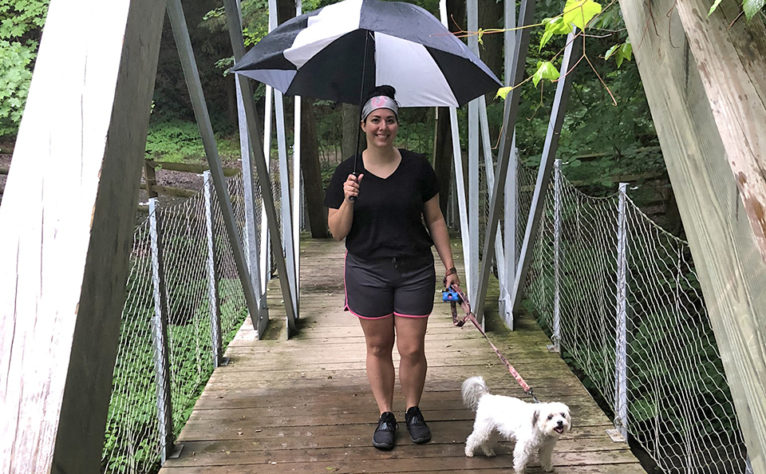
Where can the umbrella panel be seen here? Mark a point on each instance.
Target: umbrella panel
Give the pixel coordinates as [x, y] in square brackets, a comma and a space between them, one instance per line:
[337, 72]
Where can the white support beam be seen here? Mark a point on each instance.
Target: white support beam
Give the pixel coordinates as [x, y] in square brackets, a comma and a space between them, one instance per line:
[457, 158]
[67, 223]
[510, 112]
[238, 47]
[197, 97]
[511, 195]
[556, 120]
[473, 159]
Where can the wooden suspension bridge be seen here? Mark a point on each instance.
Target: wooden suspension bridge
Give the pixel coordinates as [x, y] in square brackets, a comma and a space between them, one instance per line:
[304, 405]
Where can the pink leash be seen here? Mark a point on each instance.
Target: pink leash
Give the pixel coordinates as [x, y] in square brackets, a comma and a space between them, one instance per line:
[470, 316]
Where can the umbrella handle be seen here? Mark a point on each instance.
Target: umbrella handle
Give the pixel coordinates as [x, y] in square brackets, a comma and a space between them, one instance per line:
[353, 198]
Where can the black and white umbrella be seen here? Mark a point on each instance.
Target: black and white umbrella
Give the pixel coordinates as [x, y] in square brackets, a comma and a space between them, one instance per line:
[343, 50]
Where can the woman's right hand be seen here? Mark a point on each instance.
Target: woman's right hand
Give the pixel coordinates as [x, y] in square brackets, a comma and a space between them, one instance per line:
[351, 186]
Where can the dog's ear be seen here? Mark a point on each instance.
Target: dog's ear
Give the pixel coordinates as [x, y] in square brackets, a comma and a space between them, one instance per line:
[535, 416]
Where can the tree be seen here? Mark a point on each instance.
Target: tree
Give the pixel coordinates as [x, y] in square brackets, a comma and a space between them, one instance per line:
[21, 23]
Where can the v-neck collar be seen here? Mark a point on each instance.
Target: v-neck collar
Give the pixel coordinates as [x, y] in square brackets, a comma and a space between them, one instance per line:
[401, 160]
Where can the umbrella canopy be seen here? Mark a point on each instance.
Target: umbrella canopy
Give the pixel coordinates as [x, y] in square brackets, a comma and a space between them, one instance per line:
[343, 50]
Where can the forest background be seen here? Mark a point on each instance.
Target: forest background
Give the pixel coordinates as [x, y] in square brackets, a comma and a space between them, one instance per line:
[607, 137]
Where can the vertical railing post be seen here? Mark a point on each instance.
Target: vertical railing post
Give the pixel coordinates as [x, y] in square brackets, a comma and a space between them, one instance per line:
[212, 273]
[557, 255]
[160, 336]
[621, 376]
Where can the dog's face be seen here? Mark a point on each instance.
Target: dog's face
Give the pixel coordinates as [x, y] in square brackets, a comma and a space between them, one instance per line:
[553, 418]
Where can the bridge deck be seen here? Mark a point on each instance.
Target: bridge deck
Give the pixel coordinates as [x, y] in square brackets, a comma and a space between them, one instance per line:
[304, 404]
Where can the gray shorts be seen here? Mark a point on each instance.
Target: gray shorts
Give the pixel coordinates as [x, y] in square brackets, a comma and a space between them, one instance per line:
[380, 288]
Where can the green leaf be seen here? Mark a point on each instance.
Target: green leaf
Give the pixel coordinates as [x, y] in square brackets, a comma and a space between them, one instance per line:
[545, 70]
[712, 9]
[553, 26]
[611, 51]
[580, 12]
[751, 7]
[503, 92]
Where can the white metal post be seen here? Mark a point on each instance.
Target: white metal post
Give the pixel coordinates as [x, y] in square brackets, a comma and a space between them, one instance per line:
[510, 197]
[621, 376]
[557, 255]
[265, 249]
[160, 337]
[457, 157]
[212, 272]
[251, 116]
[473, 162]
[284, 190]
[191, 75]
[489, 172]
[297, 190]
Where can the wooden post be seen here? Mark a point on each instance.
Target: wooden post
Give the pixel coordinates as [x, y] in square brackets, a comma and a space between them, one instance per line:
[67, 223]
[704, 83]
[150, 178]
[160, 335]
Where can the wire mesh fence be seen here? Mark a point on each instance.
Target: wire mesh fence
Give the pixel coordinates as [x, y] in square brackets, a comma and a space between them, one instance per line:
[134, 431]
[657, 368]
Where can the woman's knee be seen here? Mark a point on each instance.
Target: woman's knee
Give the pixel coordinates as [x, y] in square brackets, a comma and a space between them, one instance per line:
[411, 350]
[380, 346]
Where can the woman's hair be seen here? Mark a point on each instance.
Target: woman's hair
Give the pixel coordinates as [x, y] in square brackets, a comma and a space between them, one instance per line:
[386, 91]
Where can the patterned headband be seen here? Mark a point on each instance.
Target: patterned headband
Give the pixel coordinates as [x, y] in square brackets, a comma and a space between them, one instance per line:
[380, 102]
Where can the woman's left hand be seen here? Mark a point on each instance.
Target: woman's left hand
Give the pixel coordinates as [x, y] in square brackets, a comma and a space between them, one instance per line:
[452, 280]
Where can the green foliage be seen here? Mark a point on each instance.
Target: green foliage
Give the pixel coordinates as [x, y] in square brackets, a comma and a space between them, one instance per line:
[130, 443]
[580, 12]
[620, 52]
[177, 140]
[545, 70]
[749, 7]
[21, 24]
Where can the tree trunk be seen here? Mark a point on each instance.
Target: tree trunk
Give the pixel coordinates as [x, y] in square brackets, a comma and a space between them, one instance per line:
[312, 176]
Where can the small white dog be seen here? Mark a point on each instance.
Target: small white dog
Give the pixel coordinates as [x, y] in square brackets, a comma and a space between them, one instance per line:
[534, 426]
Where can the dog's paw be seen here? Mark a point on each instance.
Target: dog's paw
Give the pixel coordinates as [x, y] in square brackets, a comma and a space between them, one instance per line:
[489, 452]
[547, 467]
[468, 452]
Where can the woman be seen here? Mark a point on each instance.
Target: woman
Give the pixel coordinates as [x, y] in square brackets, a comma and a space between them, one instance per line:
[390, 276]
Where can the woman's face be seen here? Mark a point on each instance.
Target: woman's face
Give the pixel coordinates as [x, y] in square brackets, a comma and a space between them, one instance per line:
[380, 127]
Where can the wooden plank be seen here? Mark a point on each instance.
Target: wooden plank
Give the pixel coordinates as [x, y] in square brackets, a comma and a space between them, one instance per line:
[304, 404]
[681, 56]
[67, 225]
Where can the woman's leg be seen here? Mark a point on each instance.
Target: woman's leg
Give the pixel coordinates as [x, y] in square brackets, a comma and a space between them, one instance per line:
[410, 341]
[379, 337]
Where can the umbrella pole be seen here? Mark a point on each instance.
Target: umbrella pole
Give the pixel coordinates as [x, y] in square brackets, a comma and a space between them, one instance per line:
[361, 95]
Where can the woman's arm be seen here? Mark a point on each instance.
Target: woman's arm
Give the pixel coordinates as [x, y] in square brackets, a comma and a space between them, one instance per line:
[339, 220]
[438, 228]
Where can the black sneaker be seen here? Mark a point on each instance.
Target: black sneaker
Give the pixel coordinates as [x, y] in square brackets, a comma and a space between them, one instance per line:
[416, 425]
[385, 434]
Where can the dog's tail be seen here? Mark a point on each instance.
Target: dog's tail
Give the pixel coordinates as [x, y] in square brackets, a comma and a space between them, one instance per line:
[473, 389]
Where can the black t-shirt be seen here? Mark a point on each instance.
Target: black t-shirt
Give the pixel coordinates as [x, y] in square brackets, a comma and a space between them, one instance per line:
[388, 212]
